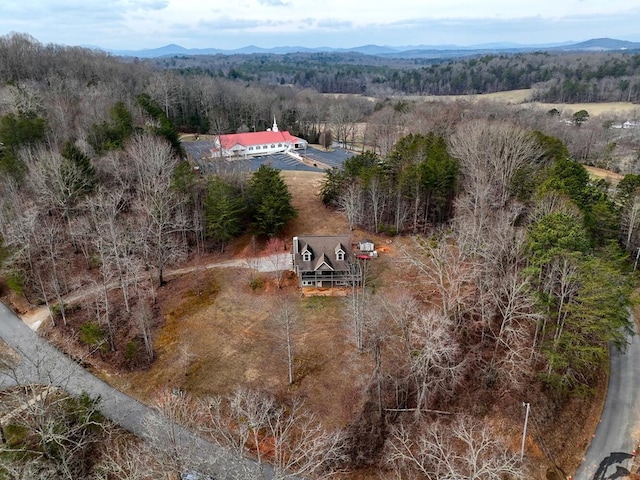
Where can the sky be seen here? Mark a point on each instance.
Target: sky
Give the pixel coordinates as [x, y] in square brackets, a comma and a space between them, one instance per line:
[228, 24]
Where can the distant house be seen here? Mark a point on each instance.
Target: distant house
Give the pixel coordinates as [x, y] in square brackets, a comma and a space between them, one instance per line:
[256, 143]
[324, 261]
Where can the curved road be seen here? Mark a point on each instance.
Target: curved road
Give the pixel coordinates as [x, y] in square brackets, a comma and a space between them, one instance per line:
[609, 454]
[44, 364]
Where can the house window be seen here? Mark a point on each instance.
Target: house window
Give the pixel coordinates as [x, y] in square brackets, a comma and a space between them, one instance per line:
[340, 256]
[306, 256]
[250, 148]
[273, 145]
[279, 145]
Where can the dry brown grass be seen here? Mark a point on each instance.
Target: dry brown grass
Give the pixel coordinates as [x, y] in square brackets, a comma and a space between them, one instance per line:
[219, 334]
[230, 337]
[607, 175]
[523, 97]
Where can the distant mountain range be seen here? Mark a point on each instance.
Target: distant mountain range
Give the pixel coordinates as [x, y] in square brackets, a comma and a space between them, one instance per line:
[411, 51]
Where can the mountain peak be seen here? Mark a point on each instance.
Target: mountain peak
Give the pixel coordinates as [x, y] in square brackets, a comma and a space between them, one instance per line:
[595, 44]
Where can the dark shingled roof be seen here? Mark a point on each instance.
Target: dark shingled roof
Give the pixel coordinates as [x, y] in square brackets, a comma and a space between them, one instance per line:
[323, 252]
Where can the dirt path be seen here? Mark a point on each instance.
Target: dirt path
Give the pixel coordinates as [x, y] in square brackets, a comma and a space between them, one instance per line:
[270, 263]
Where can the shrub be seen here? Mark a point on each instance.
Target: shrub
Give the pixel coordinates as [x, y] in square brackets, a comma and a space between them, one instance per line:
[15, 281]
[91, 333]
[256, 283]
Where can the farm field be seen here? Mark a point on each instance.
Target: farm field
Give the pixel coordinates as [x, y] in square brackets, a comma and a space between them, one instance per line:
[521, 97]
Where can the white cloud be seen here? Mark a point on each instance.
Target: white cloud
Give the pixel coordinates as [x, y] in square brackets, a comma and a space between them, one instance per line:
[274, 3]
[228, 24]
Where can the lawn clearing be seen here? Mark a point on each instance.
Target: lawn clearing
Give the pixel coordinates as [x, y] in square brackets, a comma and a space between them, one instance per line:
[220, 334]
[523, 97]
[600, 173]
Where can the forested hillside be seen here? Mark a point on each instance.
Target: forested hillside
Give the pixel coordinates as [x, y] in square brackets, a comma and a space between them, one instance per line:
[556, 77]
[496, 293]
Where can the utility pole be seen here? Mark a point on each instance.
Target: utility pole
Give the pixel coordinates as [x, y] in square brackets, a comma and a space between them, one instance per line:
[524, 433]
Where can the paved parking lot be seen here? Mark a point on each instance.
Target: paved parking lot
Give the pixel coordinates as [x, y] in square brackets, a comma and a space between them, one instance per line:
[199, 153]
[278, 161]
[333, 158]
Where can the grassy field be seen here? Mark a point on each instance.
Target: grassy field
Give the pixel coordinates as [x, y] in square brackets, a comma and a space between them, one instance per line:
[523, 97]
[219, 334]
[609, 176]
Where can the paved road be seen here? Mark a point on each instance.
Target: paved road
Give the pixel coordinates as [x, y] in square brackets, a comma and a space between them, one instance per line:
[42, 363]
[618, 433]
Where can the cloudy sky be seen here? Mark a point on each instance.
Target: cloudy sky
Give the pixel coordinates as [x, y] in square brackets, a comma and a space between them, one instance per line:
[137, 24]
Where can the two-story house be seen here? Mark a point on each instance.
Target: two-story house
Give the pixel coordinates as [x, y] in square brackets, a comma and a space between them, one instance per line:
[324, 261]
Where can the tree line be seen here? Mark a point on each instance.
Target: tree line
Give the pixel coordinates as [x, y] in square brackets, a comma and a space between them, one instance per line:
[556, 77]
[73, 88]
[502, 295]
[410, 189]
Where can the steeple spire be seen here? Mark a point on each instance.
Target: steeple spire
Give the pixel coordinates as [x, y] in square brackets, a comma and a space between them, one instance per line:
[275, 125]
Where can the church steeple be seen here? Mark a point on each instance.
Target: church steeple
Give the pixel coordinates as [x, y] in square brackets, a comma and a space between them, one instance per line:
[275, 125]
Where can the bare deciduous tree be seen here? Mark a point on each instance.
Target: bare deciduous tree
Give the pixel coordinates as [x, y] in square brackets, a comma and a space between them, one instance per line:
[291, 440]
[162, 220]
[439, 451]
[377, 200]
[143, 319]
[435, 358]
[630, 222]
[490, 154]
[165, 435]
[113, 238]
[445, 266]
[287, 318]
[350, 202]
[126, 458]
[58, 430]
[278, 258]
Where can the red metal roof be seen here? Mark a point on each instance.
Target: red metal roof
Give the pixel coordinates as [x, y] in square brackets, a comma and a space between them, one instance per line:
[256, 138]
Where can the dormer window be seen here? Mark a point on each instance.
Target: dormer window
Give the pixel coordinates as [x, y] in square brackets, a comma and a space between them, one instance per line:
[306, 256]
[340, 255]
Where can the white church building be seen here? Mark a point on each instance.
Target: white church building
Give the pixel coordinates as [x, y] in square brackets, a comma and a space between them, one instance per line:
[257, 143]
